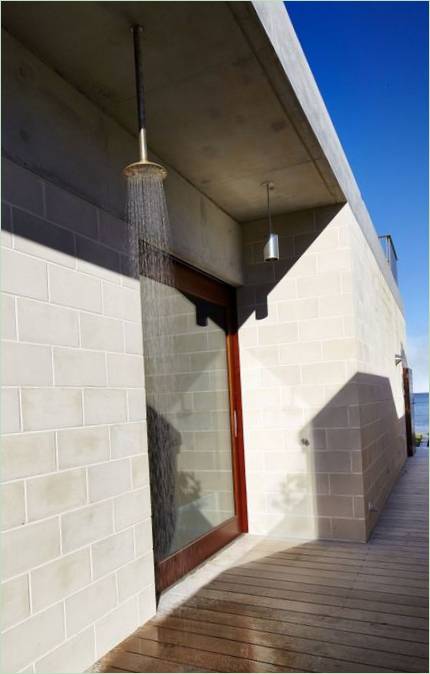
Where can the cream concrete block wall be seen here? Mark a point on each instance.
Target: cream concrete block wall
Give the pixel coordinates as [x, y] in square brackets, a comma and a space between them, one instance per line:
[77, 561]
[301, 361]
[75, 462]
[381, 334]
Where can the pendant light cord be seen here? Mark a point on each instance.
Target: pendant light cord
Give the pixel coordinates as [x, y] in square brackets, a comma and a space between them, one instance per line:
[268, 208]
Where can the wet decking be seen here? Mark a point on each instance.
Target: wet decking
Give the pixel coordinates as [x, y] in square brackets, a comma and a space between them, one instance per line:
[265, 606]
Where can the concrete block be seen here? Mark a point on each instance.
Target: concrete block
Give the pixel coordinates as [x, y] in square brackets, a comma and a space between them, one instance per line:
[99, 332]
[357, 464]
[143, 537]
[24, 643]
[8, 317]
[108, 479]
[344, 439]
[133, 338]
[70, 211]
[335, 506]
[52, 494]
[338, 349]
[10, 410]
[76, 367]
[30, 545]
[349, 529]
[47, 324]
[120, 302]
[58, 579]
[113, 231]
[136, 399]
[131, 508]
[75, 655]
[319, 285]
[125, 370]
[6, 226]
[96, 259]
[26, 365]
[128, 439]
[300, 352]
[91, 603]
[336, 305]
[298, 310]
[74, 289]
[261, 356]
[283, 375]
[147, 604]
[321, 328]
[15, 601]
[46, 408]
[105, 406]
[13, 505]
[24, 455]
[112, 553]
[283, 333]
[342, 260]
[137, 574]
[332, 462]
[86, 525]
[21, 187]
[116, 626]
[324, 373]
[346, 484]
[24, 275]
[359, 507]
[82, 446]
[40, 238]
[331, 417]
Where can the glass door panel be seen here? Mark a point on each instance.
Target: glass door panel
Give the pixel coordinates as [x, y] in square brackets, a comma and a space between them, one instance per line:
[189, 412]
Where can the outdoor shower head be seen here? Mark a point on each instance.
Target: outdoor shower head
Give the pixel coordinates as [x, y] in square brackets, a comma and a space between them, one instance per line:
[143, 167]
[146, 168]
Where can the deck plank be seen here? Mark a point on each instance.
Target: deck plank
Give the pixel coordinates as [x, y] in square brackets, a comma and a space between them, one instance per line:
[264, 605]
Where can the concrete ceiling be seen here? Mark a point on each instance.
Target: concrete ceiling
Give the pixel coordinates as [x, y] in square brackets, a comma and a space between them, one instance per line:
[220, 108]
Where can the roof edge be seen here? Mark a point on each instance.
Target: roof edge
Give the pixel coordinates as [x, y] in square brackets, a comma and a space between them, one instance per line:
[274, 19]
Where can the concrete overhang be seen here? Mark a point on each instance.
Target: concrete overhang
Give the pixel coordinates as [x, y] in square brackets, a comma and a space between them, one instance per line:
[230, 99]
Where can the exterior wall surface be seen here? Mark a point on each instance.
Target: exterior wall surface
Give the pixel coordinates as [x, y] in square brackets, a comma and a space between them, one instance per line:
[311, 379]
[77, 542]
[380, 330]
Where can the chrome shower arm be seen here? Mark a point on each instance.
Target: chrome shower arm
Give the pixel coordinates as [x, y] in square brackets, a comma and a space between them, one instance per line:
[140, 93]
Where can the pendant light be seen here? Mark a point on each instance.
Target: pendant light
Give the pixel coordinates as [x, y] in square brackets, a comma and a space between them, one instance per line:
[271, 249]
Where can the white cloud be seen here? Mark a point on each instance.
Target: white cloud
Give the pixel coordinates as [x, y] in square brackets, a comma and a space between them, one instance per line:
[418, 360]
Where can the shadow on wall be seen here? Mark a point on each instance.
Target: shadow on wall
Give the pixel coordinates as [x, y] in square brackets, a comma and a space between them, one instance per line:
[175, 493]
[67, 224]
[76, 228]
[297, 231]
[351, 454]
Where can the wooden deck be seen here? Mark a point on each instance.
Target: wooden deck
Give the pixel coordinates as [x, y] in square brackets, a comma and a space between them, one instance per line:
[265, 606]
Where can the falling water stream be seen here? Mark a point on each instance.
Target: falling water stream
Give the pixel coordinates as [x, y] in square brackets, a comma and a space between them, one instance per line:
[149, 239]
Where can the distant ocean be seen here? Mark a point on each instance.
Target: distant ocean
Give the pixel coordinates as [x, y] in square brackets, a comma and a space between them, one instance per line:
[421, 412]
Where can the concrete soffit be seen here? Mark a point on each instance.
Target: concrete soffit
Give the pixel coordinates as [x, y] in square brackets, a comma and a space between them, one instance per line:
[231, 100]
[306, 100]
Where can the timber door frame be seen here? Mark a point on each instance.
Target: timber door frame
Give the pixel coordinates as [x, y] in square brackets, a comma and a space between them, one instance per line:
[191, 281]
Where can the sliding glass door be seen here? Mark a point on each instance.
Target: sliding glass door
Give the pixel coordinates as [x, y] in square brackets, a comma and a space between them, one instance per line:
[194, 419]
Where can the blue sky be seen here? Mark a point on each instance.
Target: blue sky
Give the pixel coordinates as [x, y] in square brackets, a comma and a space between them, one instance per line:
[370, 61]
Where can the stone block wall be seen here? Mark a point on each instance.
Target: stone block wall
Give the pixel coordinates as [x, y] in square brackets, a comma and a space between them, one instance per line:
[304, 395]
[76, 542]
